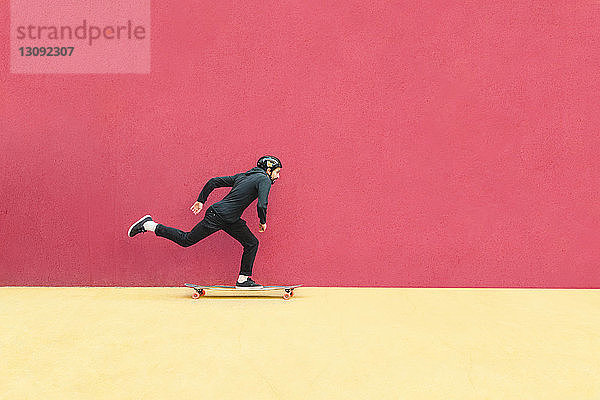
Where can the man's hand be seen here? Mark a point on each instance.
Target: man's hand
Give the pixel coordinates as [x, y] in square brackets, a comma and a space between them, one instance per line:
[262, 227]
[196, 207]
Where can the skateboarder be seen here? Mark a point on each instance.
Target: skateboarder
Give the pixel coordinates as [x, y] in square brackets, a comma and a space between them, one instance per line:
[226, 214]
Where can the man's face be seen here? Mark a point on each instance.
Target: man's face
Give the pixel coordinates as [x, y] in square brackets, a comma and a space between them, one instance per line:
[275, 174]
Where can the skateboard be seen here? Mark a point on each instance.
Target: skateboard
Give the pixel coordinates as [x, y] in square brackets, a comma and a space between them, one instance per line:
[200, 290]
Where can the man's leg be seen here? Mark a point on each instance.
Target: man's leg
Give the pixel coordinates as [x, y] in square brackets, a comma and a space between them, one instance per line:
[240, 232]
[209, 225]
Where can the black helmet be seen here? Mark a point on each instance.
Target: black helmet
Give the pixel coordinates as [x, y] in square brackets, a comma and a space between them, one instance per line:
[266, 162]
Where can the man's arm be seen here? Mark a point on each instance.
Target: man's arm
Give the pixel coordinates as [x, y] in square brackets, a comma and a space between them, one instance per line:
[214, 183]
[263, 199]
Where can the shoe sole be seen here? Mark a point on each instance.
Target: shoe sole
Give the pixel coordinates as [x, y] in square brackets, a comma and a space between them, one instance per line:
[137, 222]
[249, 287]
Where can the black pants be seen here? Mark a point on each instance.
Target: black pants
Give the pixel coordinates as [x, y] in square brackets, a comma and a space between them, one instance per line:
[210, 224]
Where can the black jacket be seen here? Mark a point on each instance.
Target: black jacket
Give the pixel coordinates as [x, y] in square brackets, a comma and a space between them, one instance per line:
[246, 187]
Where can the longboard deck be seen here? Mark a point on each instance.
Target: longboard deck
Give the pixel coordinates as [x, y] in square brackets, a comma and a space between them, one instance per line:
[221, 287]
[200, 290]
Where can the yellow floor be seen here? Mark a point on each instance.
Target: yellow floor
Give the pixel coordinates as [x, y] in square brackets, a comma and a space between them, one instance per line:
[325, 343]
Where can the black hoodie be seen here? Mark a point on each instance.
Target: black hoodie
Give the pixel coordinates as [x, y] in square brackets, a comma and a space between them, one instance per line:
[246, 187]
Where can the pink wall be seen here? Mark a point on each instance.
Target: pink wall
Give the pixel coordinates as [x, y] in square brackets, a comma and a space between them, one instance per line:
[423, 145]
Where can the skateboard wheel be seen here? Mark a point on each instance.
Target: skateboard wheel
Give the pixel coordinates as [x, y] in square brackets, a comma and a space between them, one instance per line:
[196, 295]
[287, 296]
[291, 293]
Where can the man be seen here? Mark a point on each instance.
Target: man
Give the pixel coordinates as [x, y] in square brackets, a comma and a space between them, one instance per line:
[226, 214]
